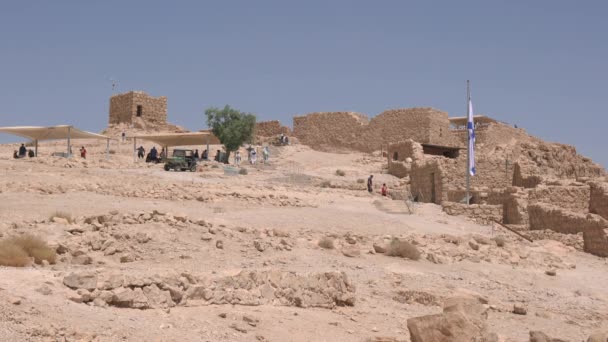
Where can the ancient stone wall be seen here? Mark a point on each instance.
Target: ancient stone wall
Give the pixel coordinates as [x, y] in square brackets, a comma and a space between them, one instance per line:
[137, 106]
[573, 198]
[546, 216]
[325, 130]
[596, 242]
[598, 203]
[427, 182]
[270, 129]
[401, 155]
[491, 173]
[484, 213]
[354, 131]
[523, 179]
[515, 208]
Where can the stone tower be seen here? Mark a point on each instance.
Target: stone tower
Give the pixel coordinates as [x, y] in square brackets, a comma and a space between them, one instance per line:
[137, 107]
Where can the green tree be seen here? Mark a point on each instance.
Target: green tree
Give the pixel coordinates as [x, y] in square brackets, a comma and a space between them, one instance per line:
[232, 127]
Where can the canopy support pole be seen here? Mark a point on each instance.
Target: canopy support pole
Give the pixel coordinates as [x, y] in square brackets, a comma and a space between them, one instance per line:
[207, 138]
[36, 148]
[166, 152]
[134, 149]
[69, 143]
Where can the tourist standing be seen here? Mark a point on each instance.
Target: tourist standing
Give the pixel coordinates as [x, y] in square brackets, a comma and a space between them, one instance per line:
[254, 156]
[141, 152]
[237, 157]
[83, 152]
[370, 183]
[384, 190]
[265, 154]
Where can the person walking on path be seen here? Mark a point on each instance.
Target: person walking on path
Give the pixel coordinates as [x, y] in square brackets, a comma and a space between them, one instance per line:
[141, 152]
[265, 154]
[370, 184]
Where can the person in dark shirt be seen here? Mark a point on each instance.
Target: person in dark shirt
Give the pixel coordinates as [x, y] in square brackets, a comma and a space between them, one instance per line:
[370, 183]
[22, 151]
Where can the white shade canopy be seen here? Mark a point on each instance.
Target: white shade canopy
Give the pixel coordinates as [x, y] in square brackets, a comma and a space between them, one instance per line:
[51, 133]
[179, 139]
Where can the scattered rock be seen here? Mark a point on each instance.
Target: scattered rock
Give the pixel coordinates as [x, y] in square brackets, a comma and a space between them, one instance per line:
[351, 251]
[598, 337]
[379, 247]
[251, 320]
[206, 237]
[551, 272]
[127, 257]
[259, 245]
[473, 244]
[86, 281]
[45, 290]
[239, 327]
[219, 244]
[520, 309]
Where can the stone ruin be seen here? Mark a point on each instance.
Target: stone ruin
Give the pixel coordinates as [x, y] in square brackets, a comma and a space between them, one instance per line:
[521, 180]
[348, 130]
[138, 107]
[270, 129]
[140, 112]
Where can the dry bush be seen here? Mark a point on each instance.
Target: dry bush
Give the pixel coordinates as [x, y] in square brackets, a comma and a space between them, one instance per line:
[61, 214]
[360, 180]
[340, 173]
[326, 184]
[12, 255]
[112, 151]
[16, 251]
[243, 171]
[500, 241]
[403, 249]
[326, 243]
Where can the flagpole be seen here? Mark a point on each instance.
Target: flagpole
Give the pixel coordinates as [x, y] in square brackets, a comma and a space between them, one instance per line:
[468, 173]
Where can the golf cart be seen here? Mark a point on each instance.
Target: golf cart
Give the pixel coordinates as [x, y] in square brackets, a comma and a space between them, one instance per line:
[181, 160]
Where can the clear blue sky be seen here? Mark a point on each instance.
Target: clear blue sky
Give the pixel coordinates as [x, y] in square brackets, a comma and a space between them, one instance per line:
[539, 64]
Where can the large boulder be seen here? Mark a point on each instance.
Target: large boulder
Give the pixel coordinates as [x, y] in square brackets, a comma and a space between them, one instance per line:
[127, 298]
[463, 320]
[87, 281]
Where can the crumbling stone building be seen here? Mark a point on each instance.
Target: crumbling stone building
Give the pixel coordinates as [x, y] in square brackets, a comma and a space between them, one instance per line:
[348, 130]
[137, 107]
[521, 180]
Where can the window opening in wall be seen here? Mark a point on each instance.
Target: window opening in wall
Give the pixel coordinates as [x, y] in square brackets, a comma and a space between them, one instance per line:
[140, 110]
[395, 156]
[440, 132]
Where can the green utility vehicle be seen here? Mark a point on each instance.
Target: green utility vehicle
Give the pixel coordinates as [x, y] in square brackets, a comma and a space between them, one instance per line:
[181, 160]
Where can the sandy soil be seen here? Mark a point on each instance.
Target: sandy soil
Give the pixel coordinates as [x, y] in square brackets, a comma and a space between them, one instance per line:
[285, 207]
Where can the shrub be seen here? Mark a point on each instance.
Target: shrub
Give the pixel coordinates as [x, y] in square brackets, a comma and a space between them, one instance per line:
[360, 180]
[340, 173]
[13, 255]
[403, 249]
[16, 251]
[62, 215]
[112, 151]
[326, 243]
[500, 241]
[326, 184]
[243, 171]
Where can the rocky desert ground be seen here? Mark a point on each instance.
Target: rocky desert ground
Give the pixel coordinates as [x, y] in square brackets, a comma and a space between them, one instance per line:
[291, 251]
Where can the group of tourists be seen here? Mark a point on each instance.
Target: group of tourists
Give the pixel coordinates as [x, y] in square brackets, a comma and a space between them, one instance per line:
[23, 152]
[252, 155]
[283, 139]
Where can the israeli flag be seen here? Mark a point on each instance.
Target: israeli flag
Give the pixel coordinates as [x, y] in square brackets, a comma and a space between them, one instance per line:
[471, 128]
